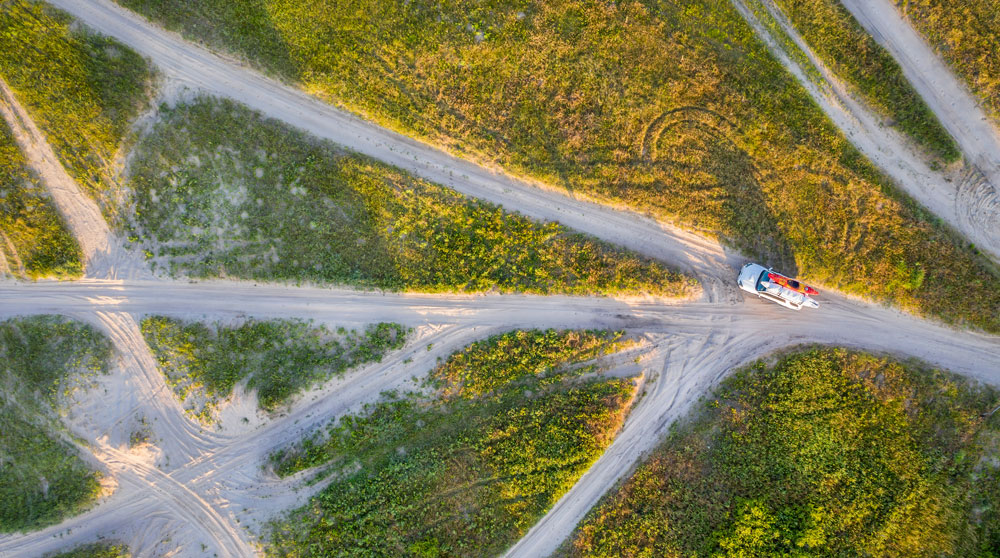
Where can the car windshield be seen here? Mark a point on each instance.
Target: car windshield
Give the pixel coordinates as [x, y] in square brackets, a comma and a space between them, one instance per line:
[760, 280]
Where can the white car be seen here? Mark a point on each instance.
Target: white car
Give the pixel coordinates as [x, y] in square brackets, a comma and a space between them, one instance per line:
[754, 279]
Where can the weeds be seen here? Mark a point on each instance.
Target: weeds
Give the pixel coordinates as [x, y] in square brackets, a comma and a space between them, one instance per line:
[83, 89]
[271, 203]
[461, 471]
[277, 358]
[827, 453]
[95, 550]
[42, 478]
[674, 108]
[34, 240]
[966, 34]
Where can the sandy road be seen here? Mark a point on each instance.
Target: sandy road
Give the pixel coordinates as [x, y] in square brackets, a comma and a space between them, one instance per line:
[964, 200]
[214, 480]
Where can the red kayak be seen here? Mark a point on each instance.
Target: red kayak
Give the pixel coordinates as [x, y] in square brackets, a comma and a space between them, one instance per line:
[791, 284]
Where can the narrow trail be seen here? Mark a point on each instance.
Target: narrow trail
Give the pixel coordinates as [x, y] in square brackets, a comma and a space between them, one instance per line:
[977, 216]
[953, 104]
[103, 252]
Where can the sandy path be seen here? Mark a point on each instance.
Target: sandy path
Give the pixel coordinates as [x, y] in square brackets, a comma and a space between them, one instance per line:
[202, 70]
[961, 200]
[954, 105]
[103, 252]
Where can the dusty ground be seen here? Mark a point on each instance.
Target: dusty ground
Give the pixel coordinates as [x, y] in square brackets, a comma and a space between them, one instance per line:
[192, 492]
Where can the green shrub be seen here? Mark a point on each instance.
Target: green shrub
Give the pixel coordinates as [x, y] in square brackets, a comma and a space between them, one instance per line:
[272, 203]
[34, 239]
[826, 453]
[462, 471]
[96, 550]
[278, 358]
[42, 478]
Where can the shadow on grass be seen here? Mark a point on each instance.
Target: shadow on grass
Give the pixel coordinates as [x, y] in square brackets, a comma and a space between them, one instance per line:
[692, 145]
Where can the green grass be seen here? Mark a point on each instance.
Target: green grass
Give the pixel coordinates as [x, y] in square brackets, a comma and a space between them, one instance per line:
[83, 89]
[42, 478]
[96, 550]
[271, 203]
[966, 33]
[508, 426]
[34, 239]
[278, 358]
[840, 41]
[828, 452]
[674, 108]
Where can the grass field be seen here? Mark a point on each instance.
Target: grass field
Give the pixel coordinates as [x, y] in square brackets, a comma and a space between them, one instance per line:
[34, 240]
[508, 425]
[277, 358]
[272, 203]
[671, 107]
[42, 478]
[966, 33]
[841, 42]
[82, 89]
[96, 550]
[828, 452]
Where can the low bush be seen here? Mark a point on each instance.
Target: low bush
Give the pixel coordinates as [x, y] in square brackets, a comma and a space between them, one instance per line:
[828, 452]
[42, 478]
[96, 550]
[277, 358]
[509, 425]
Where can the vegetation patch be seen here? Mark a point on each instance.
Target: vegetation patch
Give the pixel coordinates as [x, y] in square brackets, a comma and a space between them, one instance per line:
[83, 89]
[34, 240]
[966, 33]
[828, 452]
[271, 203]
[505, 427]
[853, 54]
[671, 107]
[96, 550]
[42, 478]
[277, 358]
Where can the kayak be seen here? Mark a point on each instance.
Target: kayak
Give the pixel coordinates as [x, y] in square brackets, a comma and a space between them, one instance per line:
[792, 284]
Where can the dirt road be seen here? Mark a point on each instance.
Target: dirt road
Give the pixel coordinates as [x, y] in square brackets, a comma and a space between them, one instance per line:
[195, 487]
[965, 198]
[103, 253]
[691, 346]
